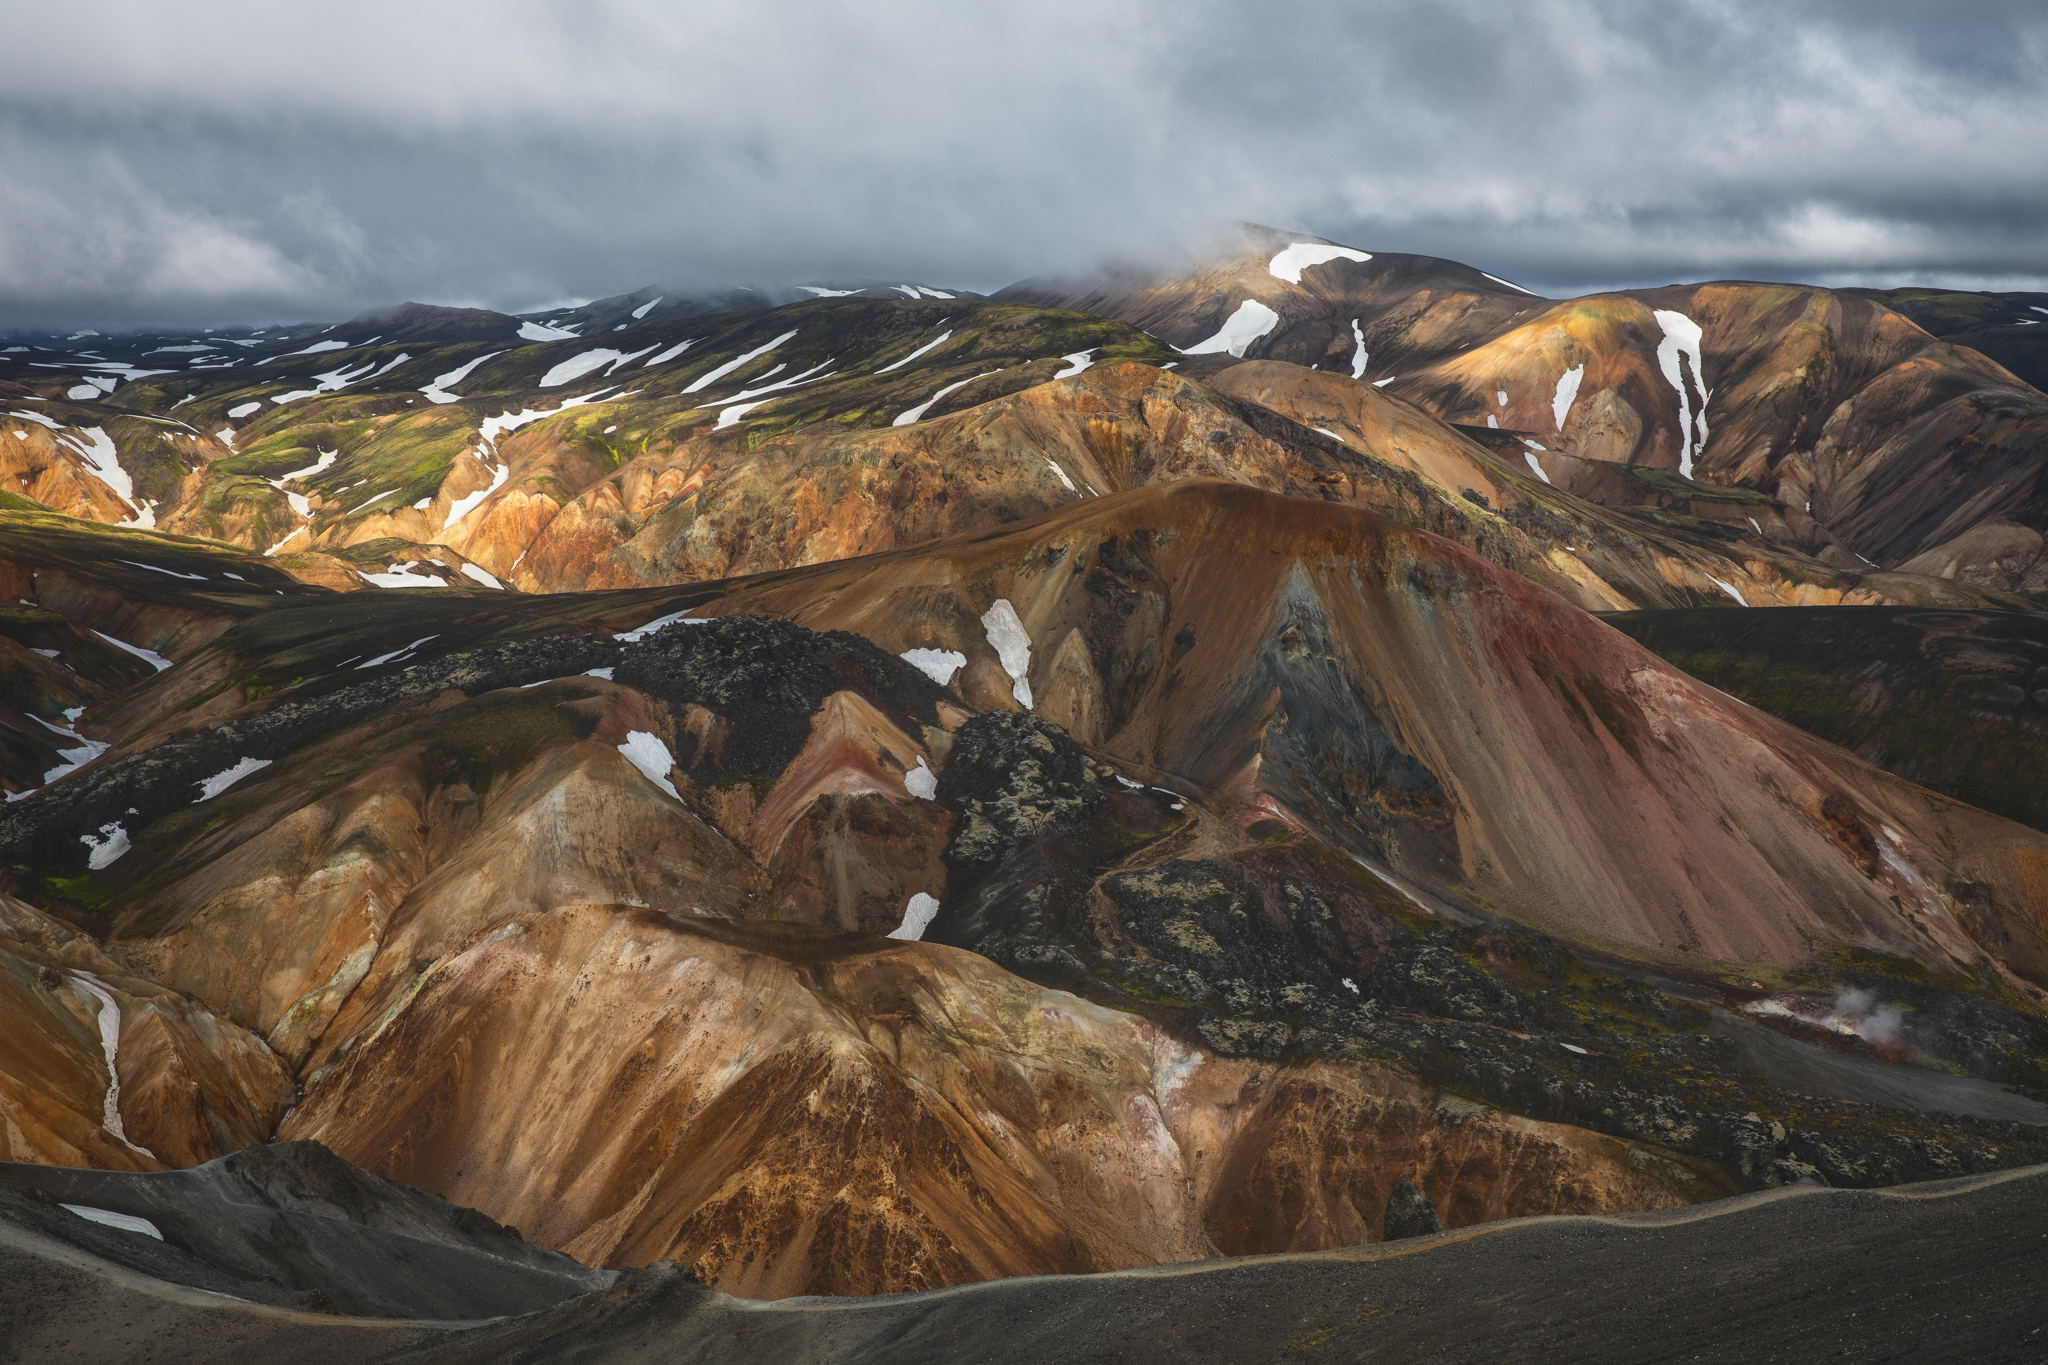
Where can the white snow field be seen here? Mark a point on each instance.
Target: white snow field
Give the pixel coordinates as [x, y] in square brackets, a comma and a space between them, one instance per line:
[1289, 264]
[1567, 393]
[917, 917]
[1012, 644]
[210, 787]
[437, 392]
[646, 752]
[937, 664]
[1251, 321]
[916, 414]
[1682, 337]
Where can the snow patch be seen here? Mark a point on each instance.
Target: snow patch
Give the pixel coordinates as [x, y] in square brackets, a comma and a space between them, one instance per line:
[917, 917]
[1289, 264]
[644, 309]
[1012, 644]
[820, 292]
[110, 1044]
[74, 759]
[912, 415]
[1077, 362]
[317, 348]
[195, 577]
[578, 366]
[97, 449]
[402, 576]
[1358, 356]
[1567, 393]
[148, 656]
[706, 380]
[210, 787]
[1534, 467]
[1682, 336]
[728, 416]
[671, 353]
[540, 331]
[437, 392]
[482, 576]
[387, 658]
[1727, 588]
[1251, 321]
[629, 636]
[241, 410]
[334, 381]
[921, 781]
[937, 664]
[646, 752]
[126, 1222]
[940, 339]
[1512, 285]
[1053, 465]
[110, 844]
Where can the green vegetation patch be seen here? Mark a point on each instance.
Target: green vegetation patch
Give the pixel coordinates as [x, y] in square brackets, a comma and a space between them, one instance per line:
[494, 735]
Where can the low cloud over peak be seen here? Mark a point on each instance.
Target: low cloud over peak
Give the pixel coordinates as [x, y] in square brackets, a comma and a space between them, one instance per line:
[251, 161]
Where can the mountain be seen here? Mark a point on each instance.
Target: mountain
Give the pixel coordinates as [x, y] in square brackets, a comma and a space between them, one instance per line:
[770, 438]
[656, 303]
[1881, 445]
[1227, 921]
[1801, 1272]
[1954, 700]
[866, 794]
[1999, 325]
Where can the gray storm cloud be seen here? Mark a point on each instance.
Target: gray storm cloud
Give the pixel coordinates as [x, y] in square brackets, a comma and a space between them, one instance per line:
[183, 164]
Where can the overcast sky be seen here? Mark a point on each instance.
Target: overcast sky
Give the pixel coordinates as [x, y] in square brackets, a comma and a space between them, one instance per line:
[218, 161]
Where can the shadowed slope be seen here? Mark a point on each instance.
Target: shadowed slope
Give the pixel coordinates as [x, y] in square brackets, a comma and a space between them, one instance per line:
[1931, 1272]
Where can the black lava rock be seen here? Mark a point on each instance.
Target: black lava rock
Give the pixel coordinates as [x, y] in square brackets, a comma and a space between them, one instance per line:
[1409, 1214]
[767, 677]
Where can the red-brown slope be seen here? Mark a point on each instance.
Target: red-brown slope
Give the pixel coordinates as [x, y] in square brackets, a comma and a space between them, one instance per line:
[1481, 735]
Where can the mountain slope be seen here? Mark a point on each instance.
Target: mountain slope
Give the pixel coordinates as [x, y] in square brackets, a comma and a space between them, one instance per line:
[1258, 922]
[1934, 1272]
[376, 484]
[2002, 326]
[1883, 445]
[1956, 701]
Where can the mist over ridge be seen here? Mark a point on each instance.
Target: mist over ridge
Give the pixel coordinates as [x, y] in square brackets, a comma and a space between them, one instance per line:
[192, 168]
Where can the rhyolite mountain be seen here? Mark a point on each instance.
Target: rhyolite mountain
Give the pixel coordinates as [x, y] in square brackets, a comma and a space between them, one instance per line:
[1880, 444]
[1181, 918]
[859, 793]
[2002, 326]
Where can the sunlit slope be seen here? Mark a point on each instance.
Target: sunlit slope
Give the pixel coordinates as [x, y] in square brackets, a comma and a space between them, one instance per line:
[1882, 445]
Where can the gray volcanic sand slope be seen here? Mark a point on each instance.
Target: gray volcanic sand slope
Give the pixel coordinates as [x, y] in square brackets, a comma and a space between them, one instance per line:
[1809, 1070]
[1947, 1271]
[292, 1225]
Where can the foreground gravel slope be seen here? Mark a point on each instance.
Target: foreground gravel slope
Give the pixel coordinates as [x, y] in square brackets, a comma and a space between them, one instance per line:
[1947, 1271]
